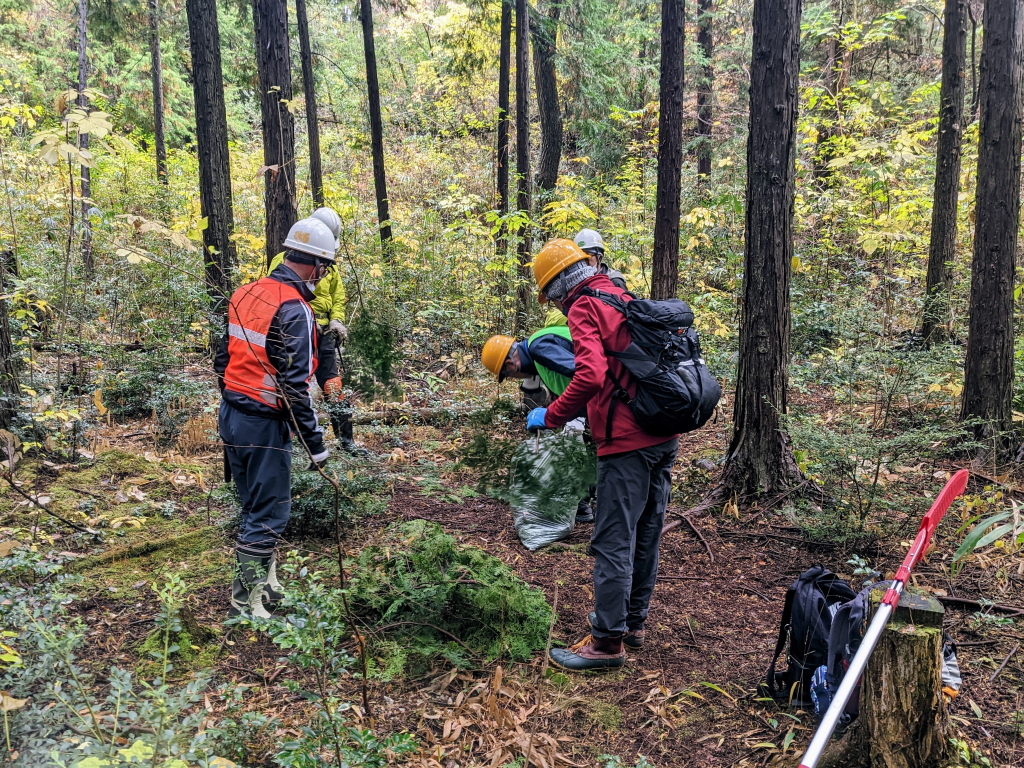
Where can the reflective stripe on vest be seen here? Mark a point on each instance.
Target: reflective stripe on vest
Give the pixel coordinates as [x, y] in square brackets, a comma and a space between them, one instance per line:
[250, 312]
[554, 381]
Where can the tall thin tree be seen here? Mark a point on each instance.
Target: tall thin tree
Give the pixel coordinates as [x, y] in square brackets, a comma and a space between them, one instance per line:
[705, 87]
[760, 459]
[838, 58]
[10, 390]
[380, 182]
[504, 68]
[942, 249]
[156, 65]
[214, 160]
[83, 139]
[988, 372]
[523, 152]
[545, 33]
[316, 174]
[273, 63]
[665, 272]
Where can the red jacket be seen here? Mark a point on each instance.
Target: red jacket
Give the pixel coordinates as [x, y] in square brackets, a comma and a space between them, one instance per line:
[598, 329]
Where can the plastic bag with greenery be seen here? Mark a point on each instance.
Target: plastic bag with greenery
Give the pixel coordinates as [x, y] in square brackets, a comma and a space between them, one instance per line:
[547, 479]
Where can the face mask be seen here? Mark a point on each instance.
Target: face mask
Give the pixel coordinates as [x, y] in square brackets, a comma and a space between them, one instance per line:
[311, 286]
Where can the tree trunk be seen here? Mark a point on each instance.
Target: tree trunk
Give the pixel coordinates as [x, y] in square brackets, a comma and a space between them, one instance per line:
[837, 75]
[214, 160]
[942, 249]
[504, 66]
[665, 272]
[10, 390]
[273, 62]
[544, 36]
[83, 140]
[705, 88]
[156, 65]
[523, 155]
[316, 174]
[760, 459]
[380, 182]
[988, 374]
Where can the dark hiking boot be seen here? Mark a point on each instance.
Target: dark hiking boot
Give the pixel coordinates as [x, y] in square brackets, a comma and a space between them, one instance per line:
[590, 653]
[248, 587]
[634, 639]
[342, 424]
[584, 512]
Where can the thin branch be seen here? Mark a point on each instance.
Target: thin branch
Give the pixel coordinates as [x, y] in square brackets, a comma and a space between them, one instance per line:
[47, 510]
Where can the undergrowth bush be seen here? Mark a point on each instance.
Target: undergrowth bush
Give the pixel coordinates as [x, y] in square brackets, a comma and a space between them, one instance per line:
[487, 451]
[422, 589]
[364, 492]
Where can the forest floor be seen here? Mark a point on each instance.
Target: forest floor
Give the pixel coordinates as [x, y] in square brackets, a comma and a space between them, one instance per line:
[687, 699]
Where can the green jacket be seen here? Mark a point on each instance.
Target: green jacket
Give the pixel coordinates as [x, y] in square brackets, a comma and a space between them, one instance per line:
[556, 382]
[328, 298]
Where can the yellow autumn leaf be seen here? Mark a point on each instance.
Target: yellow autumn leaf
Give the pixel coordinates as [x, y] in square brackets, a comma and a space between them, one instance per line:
[97, 399]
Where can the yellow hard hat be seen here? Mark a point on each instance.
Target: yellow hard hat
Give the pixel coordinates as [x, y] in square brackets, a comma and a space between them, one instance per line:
[554, 257]
[495, 352]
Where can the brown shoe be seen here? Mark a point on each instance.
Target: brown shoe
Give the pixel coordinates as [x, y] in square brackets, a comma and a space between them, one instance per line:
[634, 639]
[590, 653]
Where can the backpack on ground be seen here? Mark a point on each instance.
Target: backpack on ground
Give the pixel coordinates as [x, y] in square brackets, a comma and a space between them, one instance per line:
[675, 391]
[811, 603]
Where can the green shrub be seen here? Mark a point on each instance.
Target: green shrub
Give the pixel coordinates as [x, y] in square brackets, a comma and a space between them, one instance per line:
[421, 588]
[364, 492]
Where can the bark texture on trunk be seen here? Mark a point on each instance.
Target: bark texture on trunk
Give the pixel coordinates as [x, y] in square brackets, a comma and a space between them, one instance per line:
[544, 34]
[705, 87]
[504, 68]
[10, 390]
[665, 271]
[214, 160]
[380, 183]
[156, 65]
[760, 458]
[942, 248]
[273, 62]
[83, 140]
[523, 155]
[316, 174]
[988, 374]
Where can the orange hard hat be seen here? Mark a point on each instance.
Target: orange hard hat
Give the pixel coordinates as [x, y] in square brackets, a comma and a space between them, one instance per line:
[553, 258]
[495, 353]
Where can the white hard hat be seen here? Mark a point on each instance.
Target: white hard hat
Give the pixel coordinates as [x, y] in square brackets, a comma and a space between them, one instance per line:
[588, 239]
[311, 236]
[333, 221]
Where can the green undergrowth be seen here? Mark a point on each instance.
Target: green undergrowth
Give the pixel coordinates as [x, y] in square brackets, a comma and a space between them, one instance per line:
[365, 491]
[489, 446]
[420, 589]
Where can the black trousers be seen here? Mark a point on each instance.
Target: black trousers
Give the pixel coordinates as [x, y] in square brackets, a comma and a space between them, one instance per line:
[633, 490]
[327, 356]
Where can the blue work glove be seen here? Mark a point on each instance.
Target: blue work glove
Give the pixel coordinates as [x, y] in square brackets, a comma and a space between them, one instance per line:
[535, 419]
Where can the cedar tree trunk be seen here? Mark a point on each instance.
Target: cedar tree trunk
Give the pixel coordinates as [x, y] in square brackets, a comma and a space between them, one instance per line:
[837, 76]
[705, 88]
[273, 62]
[544, 35]
[504, 66]
[156, 65]
[942, 250]
[316, 174]
[83, 140]
[665, 273]
[760, 459]
[10, 390]
[988, 374]
[523, 153]
[380, 182]
[214, 161]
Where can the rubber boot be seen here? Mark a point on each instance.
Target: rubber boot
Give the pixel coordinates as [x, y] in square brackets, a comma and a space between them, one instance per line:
[590, 654]
[342, 423]
[248, 587]
[584, 512]
[273, 592]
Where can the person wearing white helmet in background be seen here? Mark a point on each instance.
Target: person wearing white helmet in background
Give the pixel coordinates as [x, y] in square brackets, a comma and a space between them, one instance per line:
[264, 365]
[329, 306]
[592, 244]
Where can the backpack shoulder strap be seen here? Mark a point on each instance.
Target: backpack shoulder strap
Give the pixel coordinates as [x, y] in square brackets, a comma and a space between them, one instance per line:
[780, 643]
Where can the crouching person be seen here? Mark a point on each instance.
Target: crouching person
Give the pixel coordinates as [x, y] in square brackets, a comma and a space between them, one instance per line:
[634, 469]
[265, 364]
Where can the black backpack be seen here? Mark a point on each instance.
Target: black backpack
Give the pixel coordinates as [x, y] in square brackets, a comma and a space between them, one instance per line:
[811, 603]
[675, 392]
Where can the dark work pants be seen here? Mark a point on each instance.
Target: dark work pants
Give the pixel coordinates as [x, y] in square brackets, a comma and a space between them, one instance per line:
[326, 356]
[259, 453]
[633, 491]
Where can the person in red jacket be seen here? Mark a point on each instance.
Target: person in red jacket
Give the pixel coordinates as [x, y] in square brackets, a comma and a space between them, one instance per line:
[634, 469]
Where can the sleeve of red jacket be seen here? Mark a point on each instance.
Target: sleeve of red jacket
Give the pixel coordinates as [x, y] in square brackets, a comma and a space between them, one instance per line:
[591, 366]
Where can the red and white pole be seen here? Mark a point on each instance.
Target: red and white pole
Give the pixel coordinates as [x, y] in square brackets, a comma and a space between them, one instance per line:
[953, 488]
